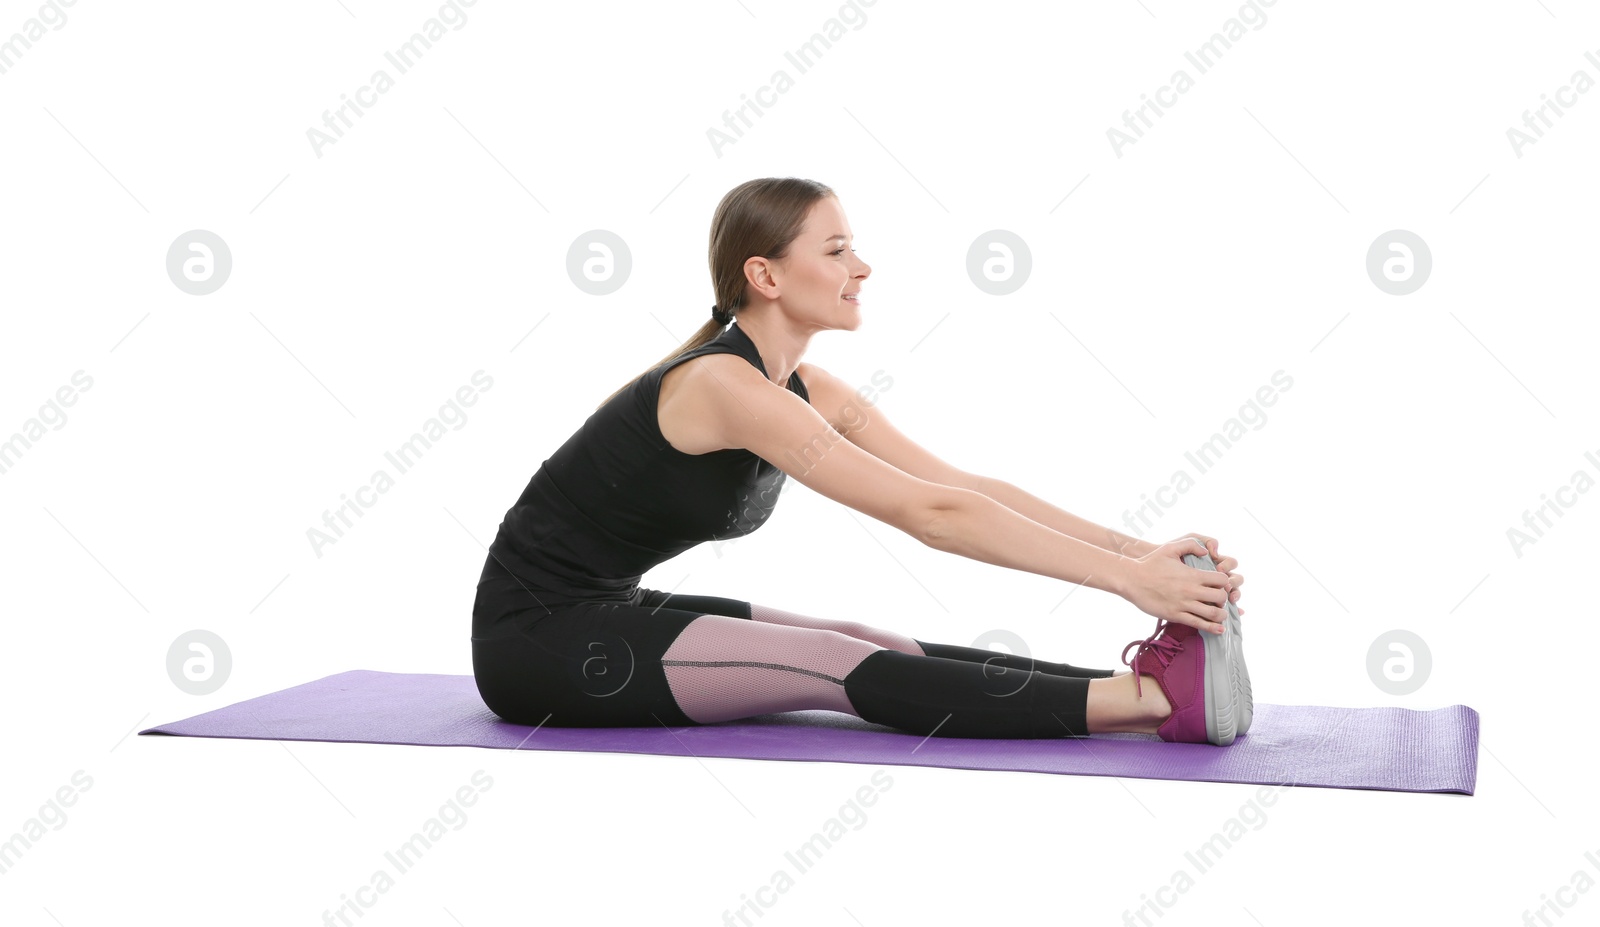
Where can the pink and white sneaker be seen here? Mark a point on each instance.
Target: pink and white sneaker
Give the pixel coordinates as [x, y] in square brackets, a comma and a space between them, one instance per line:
[1194, 670]
[1234, 632]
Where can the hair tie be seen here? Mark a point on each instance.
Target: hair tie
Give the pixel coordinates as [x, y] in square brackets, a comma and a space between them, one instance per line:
[722, 316]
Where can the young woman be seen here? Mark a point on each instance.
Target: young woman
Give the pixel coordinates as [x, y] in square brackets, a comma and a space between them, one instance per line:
[696, 449]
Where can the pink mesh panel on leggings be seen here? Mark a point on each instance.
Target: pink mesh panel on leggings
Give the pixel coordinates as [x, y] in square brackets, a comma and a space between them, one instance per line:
[720, 668]
[892, 640]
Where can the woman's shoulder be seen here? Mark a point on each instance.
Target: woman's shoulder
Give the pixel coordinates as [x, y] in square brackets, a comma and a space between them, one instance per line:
[686, 391]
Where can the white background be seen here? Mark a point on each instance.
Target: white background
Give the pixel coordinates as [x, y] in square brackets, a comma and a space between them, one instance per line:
[368, 285]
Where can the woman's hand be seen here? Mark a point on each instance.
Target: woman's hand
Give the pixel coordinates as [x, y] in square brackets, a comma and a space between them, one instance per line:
[1224, 565]
[1161, 584]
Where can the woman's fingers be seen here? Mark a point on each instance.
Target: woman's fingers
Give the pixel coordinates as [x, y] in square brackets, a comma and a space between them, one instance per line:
[1213, 587]
[1208, 618]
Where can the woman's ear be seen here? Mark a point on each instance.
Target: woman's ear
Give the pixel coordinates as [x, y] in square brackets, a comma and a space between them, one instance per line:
[758, 272]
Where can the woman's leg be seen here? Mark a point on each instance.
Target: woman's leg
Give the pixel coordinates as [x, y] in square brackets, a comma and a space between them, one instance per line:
[894, 640]
[739, 608]
[720, 668]
[603, 664]
[1011, 660]
[581, 665]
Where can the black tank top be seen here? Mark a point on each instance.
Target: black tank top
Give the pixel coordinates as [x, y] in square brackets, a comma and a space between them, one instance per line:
[617, 499]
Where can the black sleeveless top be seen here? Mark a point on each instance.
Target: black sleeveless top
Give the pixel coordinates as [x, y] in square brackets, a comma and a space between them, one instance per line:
[617, 499]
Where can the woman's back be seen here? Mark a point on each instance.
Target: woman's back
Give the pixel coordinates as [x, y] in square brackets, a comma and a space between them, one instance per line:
[616, 498]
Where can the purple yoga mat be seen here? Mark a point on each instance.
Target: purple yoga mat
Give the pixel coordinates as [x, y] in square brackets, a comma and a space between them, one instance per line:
[1397, 749]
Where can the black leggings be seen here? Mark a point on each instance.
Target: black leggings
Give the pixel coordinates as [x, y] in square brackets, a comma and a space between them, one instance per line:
[640, 663]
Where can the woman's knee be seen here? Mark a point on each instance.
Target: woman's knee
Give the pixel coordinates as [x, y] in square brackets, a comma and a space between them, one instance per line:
[889, 640]
[720, 668]
[883, 637]
[719, 639]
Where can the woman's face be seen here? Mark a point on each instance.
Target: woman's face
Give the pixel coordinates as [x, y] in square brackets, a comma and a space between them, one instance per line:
[821, 276]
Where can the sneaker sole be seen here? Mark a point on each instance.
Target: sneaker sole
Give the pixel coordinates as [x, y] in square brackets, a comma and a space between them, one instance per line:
[1227, 692]
[1241, 671]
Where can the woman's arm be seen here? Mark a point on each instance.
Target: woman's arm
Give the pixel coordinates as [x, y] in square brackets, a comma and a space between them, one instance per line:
[744, 409]
[973, 524]
[750, 412]
[1031, 506]
[1025, 503]
[868, 427]
[977, 526]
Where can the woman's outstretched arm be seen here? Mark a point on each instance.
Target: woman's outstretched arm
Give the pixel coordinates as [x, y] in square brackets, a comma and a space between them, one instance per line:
[1023, 502]
[868, 428]
[873, 468]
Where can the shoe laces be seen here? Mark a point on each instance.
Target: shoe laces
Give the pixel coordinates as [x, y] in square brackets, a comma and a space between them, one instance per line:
[1162, 648]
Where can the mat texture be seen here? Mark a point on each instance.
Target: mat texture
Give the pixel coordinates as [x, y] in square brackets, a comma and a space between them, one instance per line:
[1395, 749]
